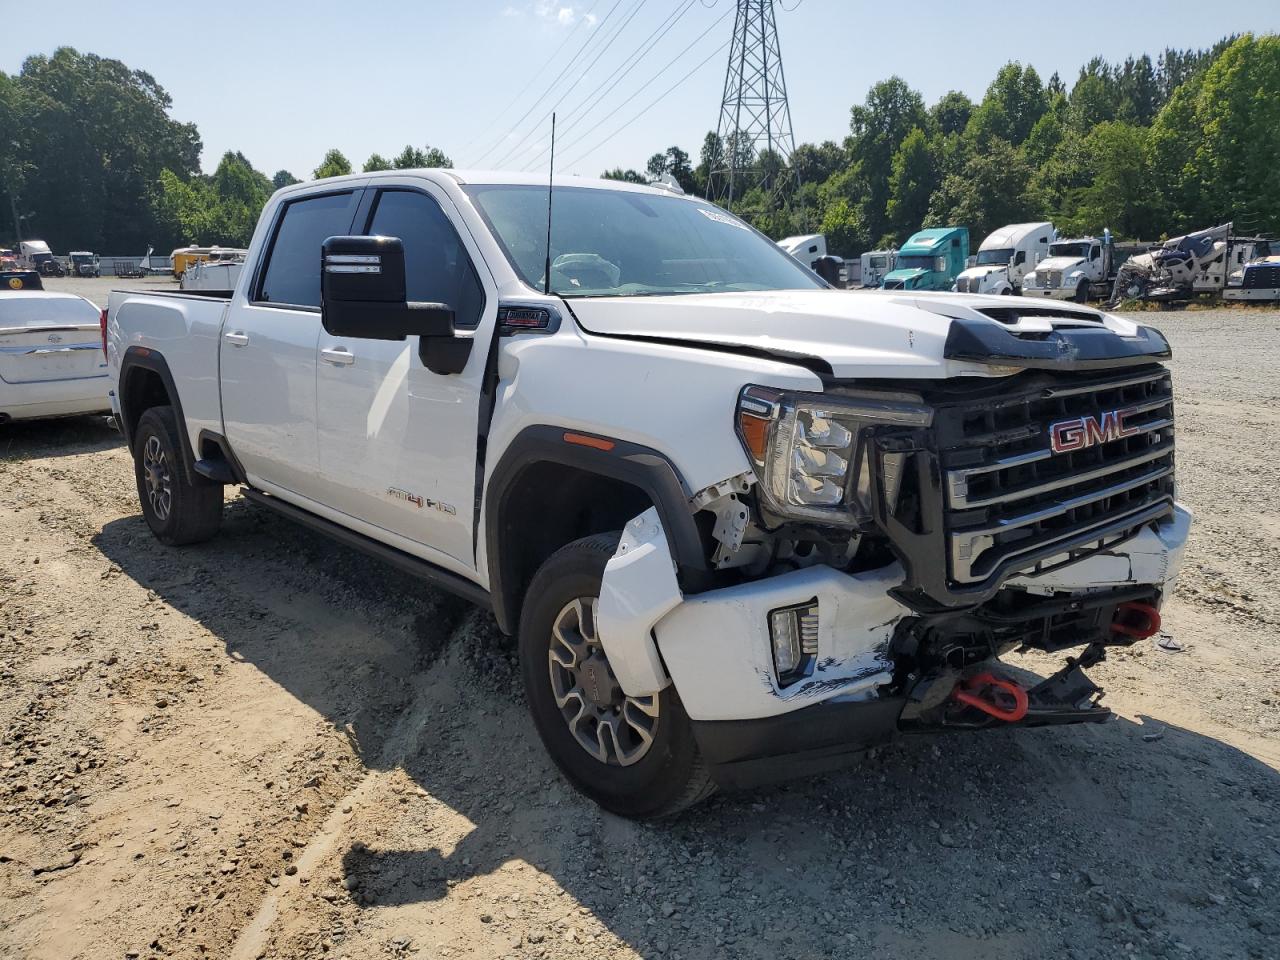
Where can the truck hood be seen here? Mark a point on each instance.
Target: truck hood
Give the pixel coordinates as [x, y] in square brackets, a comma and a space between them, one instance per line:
[906, 274]
[982, 271]
[1059, 263]
[856, 333]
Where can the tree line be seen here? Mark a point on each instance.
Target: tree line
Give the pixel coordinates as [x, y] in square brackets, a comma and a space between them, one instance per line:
[90, 157]
[1146, 148]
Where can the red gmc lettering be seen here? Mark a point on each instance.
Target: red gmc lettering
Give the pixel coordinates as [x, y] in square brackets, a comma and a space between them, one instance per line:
[1081, 433]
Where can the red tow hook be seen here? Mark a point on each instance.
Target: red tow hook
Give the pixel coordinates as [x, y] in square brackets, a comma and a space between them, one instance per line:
[979, 692]
[1137, 620]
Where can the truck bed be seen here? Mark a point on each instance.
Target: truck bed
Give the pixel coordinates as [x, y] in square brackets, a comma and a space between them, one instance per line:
[184, 330]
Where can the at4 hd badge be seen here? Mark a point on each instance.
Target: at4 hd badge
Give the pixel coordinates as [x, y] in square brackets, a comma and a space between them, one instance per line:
[396, 493]
[1080, 433]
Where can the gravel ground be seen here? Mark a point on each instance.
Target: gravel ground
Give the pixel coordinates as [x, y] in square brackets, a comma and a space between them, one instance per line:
[269, 746]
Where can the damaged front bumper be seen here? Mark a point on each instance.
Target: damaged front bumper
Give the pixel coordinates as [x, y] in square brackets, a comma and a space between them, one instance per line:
[875, 667]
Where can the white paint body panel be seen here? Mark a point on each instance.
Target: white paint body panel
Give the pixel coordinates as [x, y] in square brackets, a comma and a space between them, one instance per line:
[186, 330]
[638, 590]
[716, 644]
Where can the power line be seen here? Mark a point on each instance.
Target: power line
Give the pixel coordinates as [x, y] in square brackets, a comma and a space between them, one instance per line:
[655, 77]
[546, 64]
[565, 69]
[623, 69]
[533, 131]
[714, 53]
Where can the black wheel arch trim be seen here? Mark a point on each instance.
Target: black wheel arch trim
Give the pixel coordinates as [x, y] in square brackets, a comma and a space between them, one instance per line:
[144, 358]
[640, 466]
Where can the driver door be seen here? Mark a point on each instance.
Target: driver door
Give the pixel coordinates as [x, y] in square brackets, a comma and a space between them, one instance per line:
[397, 443]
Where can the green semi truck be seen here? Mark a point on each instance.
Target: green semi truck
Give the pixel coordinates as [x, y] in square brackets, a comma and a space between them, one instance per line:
[930, 260]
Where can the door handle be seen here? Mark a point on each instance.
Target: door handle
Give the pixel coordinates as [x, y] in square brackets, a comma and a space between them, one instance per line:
[237, 338]
[338, 356]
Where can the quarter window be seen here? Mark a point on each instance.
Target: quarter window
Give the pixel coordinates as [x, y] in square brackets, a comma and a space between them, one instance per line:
[436, 265]
[292, 275]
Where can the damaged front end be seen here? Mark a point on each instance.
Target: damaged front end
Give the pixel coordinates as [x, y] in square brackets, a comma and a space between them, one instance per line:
[945, 662]
[920, 532]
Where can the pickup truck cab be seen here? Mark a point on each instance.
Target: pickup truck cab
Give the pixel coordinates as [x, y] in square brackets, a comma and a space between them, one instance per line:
[743, 525]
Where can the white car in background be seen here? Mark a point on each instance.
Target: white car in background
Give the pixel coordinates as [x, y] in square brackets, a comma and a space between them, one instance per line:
[51, 357]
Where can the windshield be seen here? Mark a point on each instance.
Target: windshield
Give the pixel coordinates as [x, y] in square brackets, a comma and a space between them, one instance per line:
[879, 262]
[1080, 250]
[914, 263]
[614, 243]
[82, 258]
[1001, 256]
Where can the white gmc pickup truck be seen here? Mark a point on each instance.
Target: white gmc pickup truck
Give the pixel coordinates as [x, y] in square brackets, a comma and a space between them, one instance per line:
[743, 525]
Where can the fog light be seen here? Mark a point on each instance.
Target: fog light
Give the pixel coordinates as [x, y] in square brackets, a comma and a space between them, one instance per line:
[794, 634]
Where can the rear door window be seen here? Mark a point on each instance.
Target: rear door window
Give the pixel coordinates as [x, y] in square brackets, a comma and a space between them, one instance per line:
[436, 265]
[292, 274]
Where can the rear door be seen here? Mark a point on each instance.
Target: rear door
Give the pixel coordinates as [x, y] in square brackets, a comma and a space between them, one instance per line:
[268, 347]
[397, 442]
[49, 338]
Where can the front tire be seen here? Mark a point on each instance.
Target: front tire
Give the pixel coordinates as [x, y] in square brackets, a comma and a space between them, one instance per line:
[1082, 292]
[635, 756]
[177, 511]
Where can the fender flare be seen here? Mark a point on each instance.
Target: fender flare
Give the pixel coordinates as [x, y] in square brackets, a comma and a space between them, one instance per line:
[145, 358]
[641, 466]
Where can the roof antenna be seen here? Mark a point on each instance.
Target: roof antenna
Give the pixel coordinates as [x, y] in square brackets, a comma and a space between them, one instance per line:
[546, 276]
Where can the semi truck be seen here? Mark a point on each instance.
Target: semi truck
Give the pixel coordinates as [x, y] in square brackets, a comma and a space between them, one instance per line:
[1005, 257]
[36, 255]
[743, 526]
[876, 264]
[1180, 268]
[1079, 269]
[930, 260]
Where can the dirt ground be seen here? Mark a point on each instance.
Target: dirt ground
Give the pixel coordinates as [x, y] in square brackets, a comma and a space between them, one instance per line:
[270, 746]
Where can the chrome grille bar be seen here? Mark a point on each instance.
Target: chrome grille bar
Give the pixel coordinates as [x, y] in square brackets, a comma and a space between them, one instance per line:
[958, 480]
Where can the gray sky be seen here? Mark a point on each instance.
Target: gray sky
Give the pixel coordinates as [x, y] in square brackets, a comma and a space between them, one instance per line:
[283, 82]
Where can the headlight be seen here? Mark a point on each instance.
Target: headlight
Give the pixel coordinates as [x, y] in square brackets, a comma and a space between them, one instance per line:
[1029, 280]
[811, 452]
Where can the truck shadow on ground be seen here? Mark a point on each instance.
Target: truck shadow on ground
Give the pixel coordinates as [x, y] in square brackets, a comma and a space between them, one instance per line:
[28, 439]
[1060, 842]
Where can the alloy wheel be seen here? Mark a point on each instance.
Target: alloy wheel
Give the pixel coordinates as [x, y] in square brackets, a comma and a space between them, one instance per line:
[159, 480]
[612, 727]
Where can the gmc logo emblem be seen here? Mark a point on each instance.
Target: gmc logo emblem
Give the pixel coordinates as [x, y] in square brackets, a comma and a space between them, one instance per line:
[1088, 431]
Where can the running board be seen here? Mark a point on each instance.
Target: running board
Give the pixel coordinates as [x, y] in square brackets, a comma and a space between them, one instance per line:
[407, 562]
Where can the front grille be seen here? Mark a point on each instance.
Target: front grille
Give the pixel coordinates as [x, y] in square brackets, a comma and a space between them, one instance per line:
[1262, 277]
[1012, 503]
[1053, 278]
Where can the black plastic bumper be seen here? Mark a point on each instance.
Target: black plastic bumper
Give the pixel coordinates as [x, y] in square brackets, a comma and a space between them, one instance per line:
[812, 740]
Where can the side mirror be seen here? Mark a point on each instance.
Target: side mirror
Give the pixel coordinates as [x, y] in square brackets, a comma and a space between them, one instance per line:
[362, 295]
[828, 268]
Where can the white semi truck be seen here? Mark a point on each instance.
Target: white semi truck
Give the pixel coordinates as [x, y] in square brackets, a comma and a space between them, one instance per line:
[1005, 257]
[1080, 269]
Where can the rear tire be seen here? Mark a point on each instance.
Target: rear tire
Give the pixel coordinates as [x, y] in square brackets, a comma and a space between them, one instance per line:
[177, 511]
[652, 768]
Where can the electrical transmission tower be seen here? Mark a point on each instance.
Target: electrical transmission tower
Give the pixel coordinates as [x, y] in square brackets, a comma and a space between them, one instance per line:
[754, 116]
